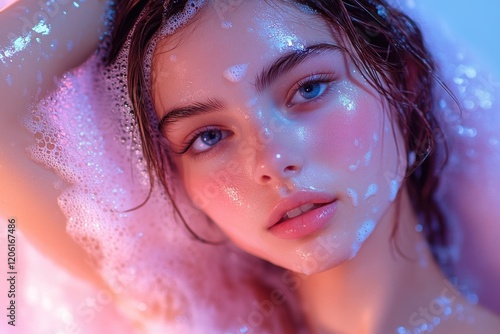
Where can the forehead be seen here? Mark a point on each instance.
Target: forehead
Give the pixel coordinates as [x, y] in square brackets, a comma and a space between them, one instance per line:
[251, 33]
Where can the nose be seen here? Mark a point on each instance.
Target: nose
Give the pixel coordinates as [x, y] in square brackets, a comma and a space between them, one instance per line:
[278, 161]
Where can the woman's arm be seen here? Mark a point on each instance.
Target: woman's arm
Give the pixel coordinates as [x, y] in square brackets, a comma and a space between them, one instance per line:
[37, 45]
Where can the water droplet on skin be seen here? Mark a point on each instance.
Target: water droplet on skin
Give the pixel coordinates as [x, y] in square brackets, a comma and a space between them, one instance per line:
[53, 44]
[278, 34]
[347, 103]
[42, 28]
[236, 73]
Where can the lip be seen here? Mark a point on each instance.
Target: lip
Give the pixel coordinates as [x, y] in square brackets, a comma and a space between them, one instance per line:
[305, 223]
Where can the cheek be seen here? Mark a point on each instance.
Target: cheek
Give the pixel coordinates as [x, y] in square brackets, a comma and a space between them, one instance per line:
[217, 188]
[353, 130]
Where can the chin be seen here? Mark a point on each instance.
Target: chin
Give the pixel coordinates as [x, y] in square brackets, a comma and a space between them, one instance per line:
[319, 260]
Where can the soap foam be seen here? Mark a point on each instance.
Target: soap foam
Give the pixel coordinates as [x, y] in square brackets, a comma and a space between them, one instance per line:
[236, 73]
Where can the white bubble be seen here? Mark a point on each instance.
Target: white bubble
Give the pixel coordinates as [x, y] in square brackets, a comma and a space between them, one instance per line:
[371, 191]
[353, 195]
[365, 230]
[236, 73]
[226, 24]
[368, 157]
[355, 166]
[394, 190]
[362, 234]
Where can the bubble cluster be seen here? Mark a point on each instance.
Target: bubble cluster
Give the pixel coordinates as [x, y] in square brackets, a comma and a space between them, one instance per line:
[362, 234]
[86, 132]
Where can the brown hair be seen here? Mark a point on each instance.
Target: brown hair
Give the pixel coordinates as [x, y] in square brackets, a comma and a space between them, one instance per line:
[390, 51]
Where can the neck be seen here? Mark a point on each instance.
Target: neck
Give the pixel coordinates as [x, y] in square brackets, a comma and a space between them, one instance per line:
[382, 287]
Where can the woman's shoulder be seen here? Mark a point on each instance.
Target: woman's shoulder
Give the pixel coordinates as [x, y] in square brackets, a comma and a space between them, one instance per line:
[467, 318]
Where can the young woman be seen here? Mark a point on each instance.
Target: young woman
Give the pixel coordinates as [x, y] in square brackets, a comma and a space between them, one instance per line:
[304, 130]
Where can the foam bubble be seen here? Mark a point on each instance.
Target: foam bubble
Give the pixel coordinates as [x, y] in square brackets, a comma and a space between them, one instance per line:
[371, 191]
[235, 73]
[86, 132]
[394, 185]
[353, 195]
[226, 24]
[355, 166]
[365, 230]
[368, 157]
[361, 235]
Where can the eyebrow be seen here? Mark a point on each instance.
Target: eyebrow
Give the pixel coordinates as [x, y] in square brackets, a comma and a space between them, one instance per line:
[197, 108]
[265, 78]
[287, 62]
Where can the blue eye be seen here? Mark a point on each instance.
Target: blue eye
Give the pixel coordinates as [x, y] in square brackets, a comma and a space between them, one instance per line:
[208, 138]
[310, 89]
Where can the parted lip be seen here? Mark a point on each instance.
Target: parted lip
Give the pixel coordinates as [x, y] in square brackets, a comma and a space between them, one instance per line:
[296, 200]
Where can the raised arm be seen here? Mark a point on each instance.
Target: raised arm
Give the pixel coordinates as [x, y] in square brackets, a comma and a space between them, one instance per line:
[38, 43]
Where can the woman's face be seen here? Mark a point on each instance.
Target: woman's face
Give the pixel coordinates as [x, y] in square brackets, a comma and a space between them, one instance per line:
[277, 136]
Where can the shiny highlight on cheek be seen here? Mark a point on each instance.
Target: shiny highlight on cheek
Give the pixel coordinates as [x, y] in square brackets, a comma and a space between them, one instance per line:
[347, 96]
[347, 103]
[234, 195]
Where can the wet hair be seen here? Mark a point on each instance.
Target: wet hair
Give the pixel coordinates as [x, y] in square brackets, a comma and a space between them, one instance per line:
[386, 45]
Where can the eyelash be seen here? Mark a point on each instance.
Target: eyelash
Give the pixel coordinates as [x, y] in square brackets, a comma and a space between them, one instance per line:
[194, 136]
[312, 79]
